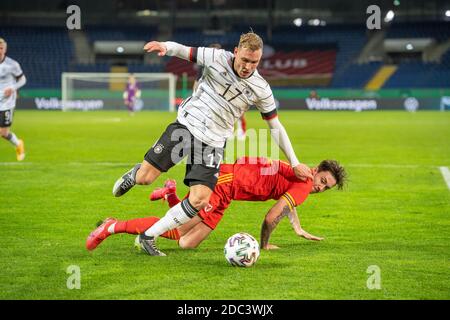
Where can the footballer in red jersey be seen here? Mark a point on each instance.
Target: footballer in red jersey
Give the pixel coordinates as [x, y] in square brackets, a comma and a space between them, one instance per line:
[248, 179]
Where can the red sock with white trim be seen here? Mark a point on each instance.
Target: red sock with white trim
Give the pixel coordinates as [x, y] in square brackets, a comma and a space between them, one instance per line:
[140, 225]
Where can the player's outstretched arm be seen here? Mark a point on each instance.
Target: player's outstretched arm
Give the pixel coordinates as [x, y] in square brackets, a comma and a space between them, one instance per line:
[276, 213]
[156, 46]
[280, 136]
[169, 48]
[295, 223]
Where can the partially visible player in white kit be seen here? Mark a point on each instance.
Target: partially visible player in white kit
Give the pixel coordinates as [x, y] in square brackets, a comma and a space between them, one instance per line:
[229, 85]
[11, 79]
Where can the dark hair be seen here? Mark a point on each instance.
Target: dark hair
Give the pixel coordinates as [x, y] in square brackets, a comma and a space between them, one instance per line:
[336, 170]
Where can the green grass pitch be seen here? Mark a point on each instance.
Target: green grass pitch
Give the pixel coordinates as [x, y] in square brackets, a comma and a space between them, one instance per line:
[394, 213]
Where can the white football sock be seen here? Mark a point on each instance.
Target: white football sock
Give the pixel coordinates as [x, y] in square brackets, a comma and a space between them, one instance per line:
[175, 217]
[13, 139]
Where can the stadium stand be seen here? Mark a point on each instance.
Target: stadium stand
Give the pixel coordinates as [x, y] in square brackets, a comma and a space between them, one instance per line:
[349, 40]
[439, 30]
[420, 75]
[43, 55]
[53, 44]
[413, 71]
[142, 33]
[357, 75]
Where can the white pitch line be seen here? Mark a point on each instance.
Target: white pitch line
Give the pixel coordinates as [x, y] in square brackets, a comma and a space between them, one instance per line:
[15, 163]
[107, 120]
[93, 163]
[106, 164]
[446, 174]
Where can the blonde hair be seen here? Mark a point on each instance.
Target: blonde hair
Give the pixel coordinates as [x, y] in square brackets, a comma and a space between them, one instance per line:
[2, 41]
[250, 40]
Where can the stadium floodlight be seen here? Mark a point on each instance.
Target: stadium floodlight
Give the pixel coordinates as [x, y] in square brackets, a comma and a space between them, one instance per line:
[409, 46]
[447, 13]
[120, 49]
[314, 22]
[147, 13]
[298, 22]
[389, 16]
[85, 88]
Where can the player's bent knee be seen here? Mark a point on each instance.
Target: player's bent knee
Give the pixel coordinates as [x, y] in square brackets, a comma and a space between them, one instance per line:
[4, 132]
[199, 203]
[199, 197]
[186, 243]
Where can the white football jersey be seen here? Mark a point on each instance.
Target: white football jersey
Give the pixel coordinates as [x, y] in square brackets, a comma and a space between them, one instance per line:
[222, 97]
[9, 71]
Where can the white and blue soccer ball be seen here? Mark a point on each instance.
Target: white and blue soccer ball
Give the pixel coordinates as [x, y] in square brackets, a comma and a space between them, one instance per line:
[241, 250]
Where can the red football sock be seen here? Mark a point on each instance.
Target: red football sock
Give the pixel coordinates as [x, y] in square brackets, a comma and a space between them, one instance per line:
[172, 199]
[140, 225]
[171, 234]
[135, 226]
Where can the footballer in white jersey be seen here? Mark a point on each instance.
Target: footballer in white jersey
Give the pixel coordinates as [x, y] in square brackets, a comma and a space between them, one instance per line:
[11, 79]
[222, 97]
[241, 123]
[10, 71]
[229, 85]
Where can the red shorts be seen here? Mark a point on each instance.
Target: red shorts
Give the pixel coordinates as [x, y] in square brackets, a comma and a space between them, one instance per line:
[220, 198]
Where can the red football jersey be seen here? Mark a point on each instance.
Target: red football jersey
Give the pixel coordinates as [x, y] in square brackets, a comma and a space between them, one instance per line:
[260, 179]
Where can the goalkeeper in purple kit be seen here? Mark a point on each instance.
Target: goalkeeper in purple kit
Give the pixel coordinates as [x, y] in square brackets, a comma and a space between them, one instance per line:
[131, 94]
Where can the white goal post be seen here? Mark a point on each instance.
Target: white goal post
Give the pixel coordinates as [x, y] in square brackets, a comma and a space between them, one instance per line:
[93, 91]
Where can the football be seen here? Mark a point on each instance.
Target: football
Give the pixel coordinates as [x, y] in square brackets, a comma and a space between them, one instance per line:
[241, 250]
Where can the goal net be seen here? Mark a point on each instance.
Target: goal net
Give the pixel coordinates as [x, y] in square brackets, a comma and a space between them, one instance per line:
[93, 91]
